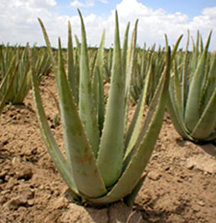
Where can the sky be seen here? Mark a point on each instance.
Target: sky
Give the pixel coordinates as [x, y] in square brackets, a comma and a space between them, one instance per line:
[19, 24]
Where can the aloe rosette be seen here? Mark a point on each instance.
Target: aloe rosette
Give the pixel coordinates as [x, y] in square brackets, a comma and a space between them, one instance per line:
[192, 93]
[104, 159]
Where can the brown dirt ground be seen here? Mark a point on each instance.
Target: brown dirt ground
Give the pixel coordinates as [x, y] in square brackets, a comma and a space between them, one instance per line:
[180, 187]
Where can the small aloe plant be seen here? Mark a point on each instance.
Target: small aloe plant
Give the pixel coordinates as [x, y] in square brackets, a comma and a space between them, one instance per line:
[192, 93]
[105, 165]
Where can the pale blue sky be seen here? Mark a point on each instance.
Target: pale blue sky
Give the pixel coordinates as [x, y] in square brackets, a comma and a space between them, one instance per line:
[190, 7]
[18, 19]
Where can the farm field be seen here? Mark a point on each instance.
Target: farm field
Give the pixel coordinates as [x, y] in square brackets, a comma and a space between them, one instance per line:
[180, 186]
[124, 134]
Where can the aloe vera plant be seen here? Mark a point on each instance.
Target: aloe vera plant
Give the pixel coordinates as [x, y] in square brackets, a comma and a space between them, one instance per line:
[102, 166]
[15, 79]
[192, 93]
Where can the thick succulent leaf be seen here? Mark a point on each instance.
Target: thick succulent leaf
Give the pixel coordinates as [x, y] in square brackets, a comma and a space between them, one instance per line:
[86, 106]
[173, 53]
[70, 62]
[192, 113]
[124, 50]
[206, 123]
[175, 105]
[195, 52]
[211, 138]
[110, 157]
[52, 147]
[78, 151]
[80, 155]
[134, 128]
[47, 42]
[176, 93]
[211, 82]
[130, 68]
[124, 68]
[177, 122]
[78, 45]
[98, 85]
[133, 172]
[184, 75]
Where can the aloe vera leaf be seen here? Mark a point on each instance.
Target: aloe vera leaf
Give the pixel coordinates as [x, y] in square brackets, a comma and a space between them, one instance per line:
[98, 86]
[52, 147]
[86, 106]
[206, 123]
[124, 70]
[78, 45]
[98, 92]
[71, 70]
[148, 118]
[110, 56]
[201, 44]
[175, 46]
[176, 122]
[81, 157]
[134, 128]
[205, 81]
[195, 52]
[174, 113]
[110, 157]
[131, 55]
[133, 172]
[177, 94]
[47, 42]
[211, 138]
[184, 75]
[124, 50]
[167, 70]
[211, 81]
[192, 113]
[2, 61]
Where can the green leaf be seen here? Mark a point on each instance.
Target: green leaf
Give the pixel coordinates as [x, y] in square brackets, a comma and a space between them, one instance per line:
[206, 123]
[134, 128]
[130, 68]
[47, 42]
[174, 114]
[78, 150]
[124, 50]
[71, 69]
[52, 147]
[98, 85]
[192, 113]
[110, 157]
[184, 75]
[133, 172]
[86, 106]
